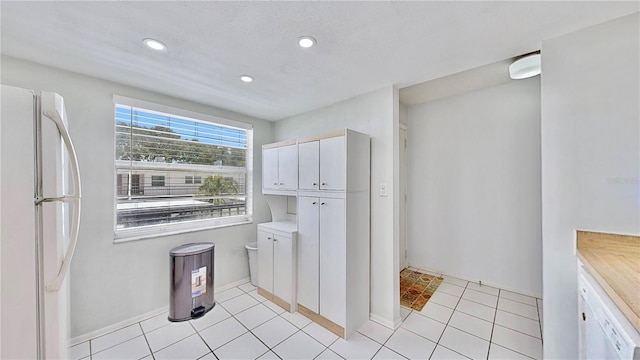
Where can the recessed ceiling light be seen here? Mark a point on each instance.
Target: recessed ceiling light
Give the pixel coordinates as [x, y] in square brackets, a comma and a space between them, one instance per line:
[155, 44]
[246, 78]
[525, 67]
[306, 41]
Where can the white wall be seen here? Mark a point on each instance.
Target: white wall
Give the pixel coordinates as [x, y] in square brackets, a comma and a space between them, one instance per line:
[371, 114]
[590, 158]
[113, 282]
[474, 186]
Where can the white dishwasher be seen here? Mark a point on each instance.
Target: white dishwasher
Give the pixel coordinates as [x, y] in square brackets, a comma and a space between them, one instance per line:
[605, 333]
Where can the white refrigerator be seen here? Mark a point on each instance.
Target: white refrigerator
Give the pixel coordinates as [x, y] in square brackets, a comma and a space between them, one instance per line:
[39, 222]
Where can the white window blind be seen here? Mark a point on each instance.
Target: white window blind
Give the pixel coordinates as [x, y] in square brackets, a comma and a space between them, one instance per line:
[178, 173]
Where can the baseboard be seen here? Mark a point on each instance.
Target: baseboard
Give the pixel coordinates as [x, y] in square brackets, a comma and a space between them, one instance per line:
[384, 322]
[136, 319]
[233, 284]
[440, 272]
[117, 326]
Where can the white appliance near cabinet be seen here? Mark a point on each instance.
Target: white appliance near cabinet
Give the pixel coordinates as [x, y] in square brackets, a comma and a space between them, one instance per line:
[277, 263]
[333, 230]
[605, 333]
[40, 221]
[279, 170]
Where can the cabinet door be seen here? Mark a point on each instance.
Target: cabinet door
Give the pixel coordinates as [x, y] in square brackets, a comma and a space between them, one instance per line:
[333, 164]
[308, 253]
[333, 267]
[270, 168]
[282, 267]
[288, 167]
[265, 261]
[309, 165]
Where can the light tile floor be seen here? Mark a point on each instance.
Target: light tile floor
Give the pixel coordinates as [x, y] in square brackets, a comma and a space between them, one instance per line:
[462, 320]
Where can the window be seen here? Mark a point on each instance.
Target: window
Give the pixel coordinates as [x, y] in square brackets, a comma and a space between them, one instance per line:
[177, 173]
[157, 180]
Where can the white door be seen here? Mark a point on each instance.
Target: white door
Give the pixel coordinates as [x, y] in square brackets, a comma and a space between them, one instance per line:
[308, 253]
[288, 167]
[333, 254]
[403, 199]
[333, 163]
[270, 168]
[309, 165]
[282, 267]
[265, 261]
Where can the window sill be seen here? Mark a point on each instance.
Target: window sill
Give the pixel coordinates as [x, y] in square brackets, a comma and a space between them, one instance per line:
[175, 229]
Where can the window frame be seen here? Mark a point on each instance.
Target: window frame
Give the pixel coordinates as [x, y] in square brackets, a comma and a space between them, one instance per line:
[162, 230]
[158, 180]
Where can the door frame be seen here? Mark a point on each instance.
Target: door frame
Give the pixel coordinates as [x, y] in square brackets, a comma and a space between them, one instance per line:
[403, 140]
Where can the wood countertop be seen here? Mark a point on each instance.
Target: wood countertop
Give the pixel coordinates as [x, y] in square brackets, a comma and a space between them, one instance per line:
[614, 261]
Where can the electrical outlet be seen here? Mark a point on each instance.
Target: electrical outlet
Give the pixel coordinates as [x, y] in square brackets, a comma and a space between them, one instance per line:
[383, 189]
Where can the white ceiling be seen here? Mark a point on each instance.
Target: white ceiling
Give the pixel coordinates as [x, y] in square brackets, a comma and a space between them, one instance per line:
[362, 46]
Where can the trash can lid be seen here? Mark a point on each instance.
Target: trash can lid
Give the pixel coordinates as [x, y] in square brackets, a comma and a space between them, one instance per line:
[252, 246]
[191, 249]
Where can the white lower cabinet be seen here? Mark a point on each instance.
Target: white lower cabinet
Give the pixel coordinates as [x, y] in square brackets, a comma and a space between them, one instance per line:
[277, 263]
[327, 292]
[333, 257]
[309, 253]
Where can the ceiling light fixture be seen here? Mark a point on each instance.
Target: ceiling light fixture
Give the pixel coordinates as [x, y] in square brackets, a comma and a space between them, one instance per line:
[306, 41]
[154, 44]
[525, 67]
[246, 78]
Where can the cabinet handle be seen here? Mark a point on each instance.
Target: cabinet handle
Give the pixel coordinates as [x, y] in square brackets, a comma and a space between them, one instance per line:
[275, 183]
[314, 184]
[281, 183]
[313, 203]
[324, 184]
[268, 238]
[274, 239]
[322, 203]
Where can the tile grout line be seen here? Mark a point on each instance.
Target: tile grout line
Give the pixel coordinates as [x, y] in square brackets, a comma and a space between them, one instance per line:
[508, 348]
[254, 335]
[173, 343]
[447, 324]
[493, 326]
[146, 340]
[540, 323]
[118, 344]
[203, 340]
[512, 313]
[243, 325]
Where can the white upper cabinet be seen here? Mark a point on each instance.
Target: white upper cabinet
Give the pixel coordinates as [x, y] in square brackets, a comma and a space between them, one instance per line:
[333, 172]
[280, 167]
[322, 164]
[309, 165]
[270, 168]
[287, 167]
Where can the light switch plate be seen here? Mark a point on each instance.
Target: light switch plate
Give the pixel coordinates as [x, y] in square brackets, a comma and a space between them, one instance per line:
[383, 189]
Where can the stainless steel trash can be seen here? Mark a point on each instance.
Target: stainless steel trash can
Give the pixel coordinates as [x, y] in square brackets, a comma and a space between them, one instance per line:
[191, 288]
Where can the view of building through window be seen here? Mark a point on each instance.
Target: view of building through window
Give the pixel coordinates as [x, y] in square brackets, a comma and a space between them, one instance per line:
[173, 169]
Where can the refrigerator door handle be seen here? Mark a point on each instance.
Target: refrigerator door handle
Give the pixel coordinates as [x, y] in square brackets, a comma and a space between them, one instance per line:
[73, 198]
